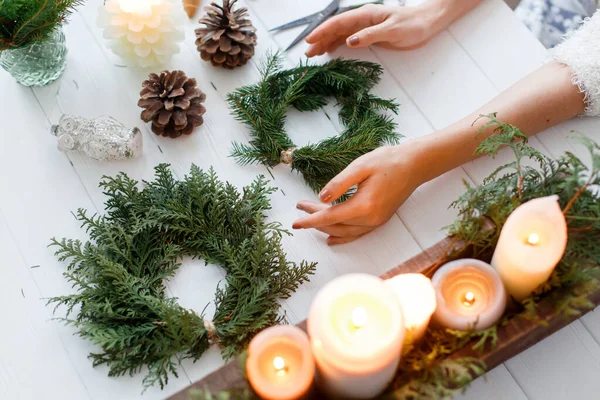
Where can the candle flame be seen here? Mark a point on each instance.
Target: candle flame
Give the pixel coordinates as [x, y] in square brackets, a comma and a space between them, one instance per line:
[468, 299]
[359, 317]
[533, 239]
[279, 364]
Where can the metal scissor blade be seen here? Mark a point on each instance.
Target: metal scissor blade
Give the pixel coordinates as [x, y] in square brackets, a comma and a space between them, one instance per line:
[298, 22]
[316, 21]
[304, 34]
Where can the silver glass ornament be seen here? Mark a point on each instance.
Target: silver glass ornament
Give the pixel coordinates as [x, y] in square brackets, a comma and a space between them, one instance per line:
[103, 138]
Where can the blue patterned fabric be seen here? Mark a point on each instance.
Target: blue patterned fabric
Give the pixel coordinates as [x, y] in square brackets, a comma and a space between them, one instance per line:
[551, 20]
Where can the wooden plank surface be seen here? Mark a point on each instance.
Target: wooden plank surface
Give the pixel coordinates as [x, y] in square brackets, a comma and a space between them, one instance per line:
[41, 186]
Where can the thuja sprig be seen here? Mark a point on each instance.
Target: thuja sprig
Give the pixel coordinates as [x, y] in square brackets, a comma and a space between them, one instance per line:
[263, 106]
[26, 21]
[120, 303]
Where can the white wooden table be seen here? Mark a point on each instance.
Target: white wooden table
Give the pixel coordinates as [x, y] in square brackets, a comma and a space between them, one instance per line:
[458, 71]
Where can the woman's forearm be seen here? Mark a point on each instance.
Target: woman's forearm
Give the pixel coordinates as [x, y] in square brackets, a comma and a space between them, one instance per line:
[542, 99]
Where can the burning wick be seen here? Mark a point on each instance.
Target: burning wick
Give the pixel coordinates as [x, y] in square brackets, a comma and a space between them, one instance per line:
[468, 299]
[279, 364]
[533, 239]
[359, 317]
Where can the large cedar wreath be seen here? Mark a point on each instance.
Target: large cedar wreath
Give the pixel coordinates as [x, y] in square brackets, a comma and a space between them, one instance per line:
[263, 107]
[121, 304]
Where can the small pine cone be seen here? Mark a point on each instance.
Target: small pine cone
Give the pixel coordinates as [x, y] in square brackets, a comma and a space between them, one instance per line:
[229, 38]
[173, 103]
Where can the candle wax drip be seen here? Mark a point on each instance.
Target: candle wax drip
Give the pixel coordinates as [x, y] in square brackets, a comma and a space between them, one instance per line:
[359, 317]
[533, 239]
[468, 299]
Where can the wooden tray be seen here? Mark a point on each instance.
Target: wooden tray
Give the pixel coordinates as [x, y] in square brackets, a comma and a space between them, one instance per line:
[516, 336]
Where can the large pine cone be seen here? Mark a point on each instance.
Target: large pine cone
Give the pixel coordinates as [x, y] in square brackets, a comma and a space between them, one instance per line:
[229, 37]
[173, 103]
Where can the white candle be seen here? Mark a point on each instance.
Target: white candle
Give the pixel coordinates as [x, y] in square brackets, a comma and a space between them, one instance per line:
[531, 244]
[418, 301]
[356, 329]
[280, 365]
[143, 32]
[470, 295]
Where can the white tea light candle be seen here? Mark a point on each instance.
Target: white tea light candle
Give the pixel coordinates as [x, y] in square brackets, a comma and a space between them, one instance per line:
[280, 364]
[531, 244]
[470, 295]
[356, 330]
[418, 301]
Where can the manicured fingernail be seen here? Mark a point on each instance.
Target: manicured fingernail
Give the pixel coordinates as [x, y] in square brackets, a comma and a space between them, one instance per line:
[353, 41]
[325, 196]
[299, 207]
[295, 226]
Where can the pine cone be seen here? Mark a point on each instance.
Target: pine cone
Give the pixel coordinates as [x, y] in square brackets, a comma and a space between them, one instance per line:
[229, 37]
[173, 103]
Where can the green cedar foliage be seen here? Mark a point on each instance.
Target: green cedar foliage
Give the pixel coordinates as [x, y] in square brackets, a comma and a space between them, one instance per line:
[263, 107]
[120, 303]
[26, 21]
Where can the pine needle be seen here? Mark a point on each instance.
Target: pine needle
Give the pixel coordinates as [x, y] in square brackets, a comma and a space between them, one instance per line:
[23, 22]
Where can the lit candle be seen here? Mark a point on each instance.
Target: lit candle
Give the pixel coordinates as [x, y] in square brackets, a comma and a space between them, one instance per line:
[356, 330]
[531, 244]
[280, 364]
[470, 295]
[418, 301]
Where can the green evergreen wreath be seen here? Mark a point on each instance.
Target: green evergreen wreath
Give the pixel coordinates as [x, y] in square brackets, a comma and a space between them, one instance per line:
[121, 304]
[263, 107]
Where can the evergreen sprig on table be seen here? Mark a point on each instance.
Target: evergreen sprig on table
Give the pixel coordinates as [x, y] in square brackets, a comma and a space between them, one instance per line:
[121, 303]
[26, 21]
[263, 108]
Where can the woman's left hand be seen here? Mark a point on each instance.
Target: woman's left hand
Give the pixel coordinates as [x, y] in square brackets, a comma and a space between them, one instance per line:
[385, 178]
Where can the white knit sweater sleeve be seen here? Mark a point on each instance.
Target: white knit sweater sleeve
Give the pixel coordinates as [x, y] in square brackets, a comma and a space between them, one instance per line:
[581, 52]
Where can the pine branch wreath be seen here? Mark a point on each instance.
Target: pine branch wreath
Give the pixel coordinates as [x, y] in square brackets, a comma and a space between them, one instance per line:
[26, 21]
[263, 107]
[120, 302]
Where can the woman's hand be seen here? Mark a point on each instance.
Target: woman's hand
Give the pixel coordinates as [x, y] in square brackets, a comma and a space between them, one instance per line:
[392, 27]
[385, 178]
[387, 26]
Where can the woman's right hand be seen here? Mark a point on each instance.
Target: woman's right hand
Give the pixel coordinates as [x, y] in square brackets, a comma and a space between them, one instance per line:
[387, 26]
[385, 178]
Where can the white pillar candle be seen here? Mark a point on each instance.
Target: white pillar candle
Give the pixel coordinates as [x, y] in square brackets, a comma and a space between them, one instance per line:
[356, 329]
[531, 244]
[470, 295]
[280, 364]
[418, 301]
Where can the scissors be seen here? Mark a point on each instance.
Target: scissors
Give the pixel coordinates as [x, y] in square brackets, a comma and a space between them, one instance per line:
[316, 19]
